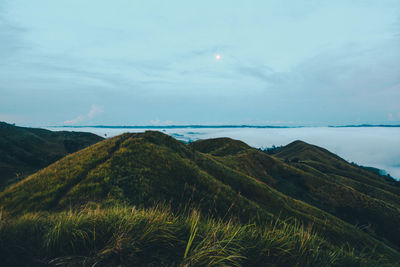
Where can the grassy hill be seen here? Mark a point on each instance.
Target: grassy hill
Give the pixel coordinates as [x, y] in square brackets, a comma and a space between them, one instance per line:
[352, 193]
[310, 216]
[322, 179]
[23, 151]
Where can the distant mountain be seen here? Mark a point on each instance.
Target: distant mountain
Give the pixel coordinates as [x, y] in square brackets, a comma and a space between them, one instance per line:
[222, 178]
[23, 150]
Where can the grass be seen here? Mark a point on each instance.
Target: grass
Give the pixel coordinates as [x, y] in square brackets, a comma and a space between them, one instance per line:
[126, 236]
[224, 200]
[24, 151]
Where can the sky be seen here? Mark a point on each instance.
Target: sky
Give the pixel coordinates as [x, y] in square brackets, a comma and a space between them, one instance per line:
[124, 62]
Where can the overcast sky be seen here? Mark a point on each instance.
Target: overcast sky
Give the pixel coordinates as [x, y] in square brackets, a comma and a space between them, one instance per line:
[154, 62]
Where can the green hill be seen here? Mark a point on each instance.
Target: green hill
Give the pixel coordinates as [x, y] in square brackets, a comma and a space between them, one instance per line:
[23, 150]
[224, 180]
[322, 179]
[350, 192]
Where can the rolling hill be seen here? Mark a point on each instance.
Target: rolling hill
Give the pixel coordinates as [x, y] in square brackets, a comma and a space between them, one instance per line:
[324, 180]
[221, 179]
[23, 150]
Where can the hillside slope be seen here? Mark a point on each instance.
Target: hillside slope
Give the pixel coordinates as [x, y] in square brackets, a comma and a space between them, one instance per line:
[221, 177]
[23, 151]
[322, 179]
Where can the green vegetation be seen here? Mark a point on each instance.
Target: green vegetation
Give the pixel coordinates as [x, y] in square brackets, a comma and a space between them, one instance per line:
[157, 237]
[352, 193]
[23, 151]
[228, 204]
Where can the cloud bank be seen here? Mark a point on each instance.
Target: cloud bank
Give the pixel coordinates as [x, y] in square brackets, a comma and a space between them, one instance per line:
[94, 111]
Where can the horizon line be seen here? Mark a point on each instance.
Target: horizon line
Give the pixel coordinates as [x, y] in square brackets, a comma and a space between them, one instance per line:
[215, 126]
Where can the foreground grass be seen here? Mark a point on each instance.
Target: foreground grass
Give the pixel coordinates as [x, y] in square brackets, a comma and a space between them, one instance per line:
[126, 236]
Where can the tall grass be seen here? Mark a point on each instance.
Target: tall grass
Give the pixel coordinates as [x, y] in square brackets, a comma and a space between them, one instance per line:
[215, 244]
[125, 236]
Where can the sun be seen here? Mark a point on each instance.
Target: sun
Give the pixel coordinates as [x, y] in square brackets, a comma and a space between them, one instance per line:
[218, 57]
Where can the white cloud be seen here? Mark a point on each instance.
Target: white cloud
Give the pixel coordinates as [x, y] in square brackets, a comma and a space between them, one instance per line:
[94, 111]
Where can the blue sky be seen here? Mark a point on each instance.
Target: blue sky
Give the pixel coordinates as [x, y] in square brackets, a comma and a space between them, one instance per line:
[153, 62]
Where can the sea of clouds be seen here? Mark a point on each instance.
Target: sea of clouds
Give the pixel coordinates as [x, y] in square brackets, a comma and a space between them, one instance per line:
[368, 146]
